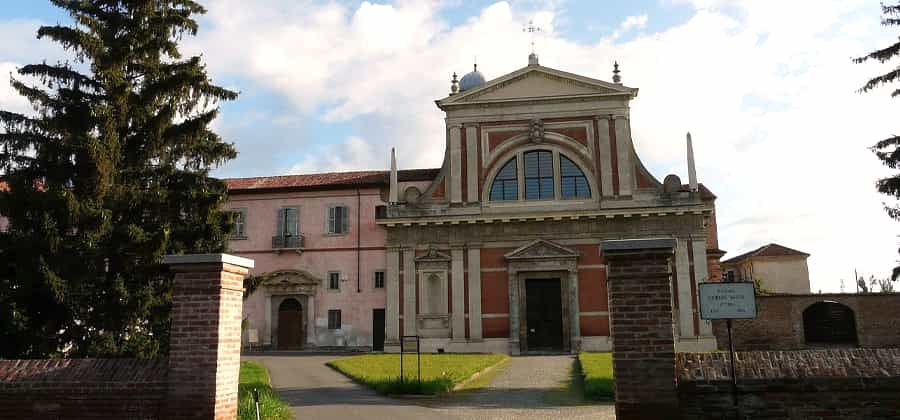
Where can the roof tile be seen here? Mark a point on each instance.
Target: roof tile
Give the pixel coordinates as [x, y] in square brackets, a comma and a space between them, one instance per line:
[770, 250]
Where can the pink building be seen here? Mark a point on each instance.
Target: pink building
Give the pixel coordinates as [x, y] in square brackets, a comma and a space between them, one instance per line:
[321, 254]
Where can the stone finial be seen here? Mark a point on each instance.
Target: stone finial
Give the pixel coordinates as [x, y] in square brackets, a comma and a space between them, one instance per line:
[616, 78]
[393, 194]
[692, 170]
[454, 85]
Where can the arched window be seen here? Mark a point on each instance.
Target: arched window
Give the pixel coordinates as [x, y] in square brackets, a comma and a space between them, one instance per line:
[539, 175]
[572, 183]
[506, 185]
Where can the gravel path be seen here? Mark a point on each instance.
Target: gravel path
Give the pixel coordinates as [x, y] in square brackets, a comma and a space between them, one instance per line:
[531, 387]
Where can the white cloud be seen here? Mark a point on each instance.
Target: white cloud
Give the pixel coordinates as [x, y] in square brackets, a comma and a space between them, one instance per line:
[766, 87]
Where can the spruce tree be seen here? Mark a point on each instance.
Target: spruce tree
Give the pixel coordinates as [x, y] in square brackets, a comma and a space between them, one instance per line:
[887, 150]
[110, 173]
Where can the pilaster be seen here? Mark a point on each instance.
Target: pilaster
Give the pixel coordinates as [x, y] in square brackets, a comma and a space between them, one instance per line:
[472, 163]
[409, 291]
[392, 289]
[623, 154]
[474, 270]
[455, 164]
[683, 277]
[458, 317]
[606, 175]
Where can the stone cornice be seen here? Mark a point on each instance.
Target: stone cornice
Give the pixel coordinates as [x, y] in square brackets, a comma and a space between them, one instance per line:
[545, 216]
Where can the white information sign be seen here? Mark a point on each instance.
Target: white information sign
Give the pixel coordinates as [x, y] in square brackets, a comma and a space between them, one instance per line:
[727, 300]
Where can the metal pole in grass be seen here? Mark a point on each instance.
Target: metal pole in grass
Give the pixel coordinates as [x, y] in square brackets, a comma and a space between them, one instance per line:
[419, 358]
[256, 400]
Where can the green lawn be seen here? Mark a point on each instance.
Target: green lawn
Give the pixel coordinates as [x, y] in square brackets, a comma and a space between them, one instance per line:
[598, 375]
[440, 372]
[254, 375]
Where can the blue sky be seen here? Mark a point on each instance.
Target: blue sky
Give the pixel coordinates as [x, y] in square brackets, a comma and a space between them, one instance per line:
[780, 134]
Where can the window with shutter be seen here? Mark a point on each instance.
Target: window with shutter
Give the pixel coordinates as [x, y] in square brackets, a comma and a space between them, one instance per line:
[379, 279]
[239, 217]
[337, 220]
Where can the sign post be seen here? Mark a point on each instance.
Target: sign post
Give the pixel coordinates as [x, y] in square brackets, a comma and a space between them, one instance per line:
[734, 300]
[411, 344]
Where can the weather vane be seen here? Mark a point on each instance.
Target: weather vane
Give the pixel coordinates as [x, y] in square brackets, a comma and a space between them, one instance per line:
[531, 29]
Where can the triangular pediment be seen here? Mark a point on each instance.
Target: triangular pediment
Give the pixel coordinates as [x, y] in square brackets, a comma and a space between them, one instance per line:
[541, 249]
[536, 82]
[289, 278]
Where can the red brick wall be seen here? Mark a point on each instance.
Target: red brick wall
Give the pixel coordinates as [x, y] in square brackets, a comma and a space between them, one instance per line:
[821, 384]
[780, 322]
[198, 380]
[594, 325]
[82, 388]
[494, 292]
[495, 327]
[592, 290]
[643, 342]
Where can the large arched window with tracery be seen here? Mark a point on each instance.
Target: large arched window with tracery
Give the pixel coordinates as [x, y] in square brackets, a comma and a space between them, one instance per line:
[539, 175]
[545, 175]
[572, 182]
[506, 184]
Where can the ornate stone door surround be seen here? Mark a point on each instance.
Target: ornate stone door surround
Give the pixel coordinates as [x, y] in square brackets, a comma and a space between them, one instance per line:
[542, 259]
[433, 322]
[298, 284]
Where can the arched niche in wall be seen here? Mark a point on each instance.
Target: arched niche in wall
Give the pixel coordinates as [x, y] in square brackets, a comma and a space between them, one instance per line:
[829, 323]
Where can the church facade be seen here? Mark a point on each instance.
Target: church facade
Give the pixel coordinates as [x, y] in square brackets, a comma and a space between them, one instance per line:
[498, 250]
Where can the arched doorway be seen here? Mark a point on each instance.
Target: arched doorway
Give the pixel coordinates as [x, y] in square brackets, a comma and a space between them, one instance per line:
[290, 325]
[829, 323]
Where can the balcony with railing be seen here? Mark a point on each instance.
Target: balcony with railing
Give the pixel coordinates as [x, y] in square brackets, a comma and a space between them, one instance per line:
[287, 242]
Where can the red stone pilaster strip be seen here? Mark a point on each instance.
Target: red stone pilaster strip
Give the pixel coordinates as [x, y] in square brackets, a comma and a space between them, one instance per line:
[205, 340]
[643, 342]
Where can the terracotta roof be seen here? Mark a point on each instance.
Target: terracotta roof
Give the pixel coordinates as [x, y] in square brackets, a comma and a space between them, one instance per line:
[325, 181]
[770, 250]
[83, 371]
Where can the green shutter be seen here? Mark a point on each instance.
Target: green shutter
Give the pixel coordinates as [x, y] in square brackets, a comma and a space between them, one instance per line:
[331, 224]
[279, 230]
[344, 220]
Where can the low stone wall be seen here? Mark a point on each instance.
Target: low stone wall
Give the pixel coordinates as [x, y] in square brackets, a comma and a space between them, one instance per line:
[780, 322]
[822, 384]
[82, 388]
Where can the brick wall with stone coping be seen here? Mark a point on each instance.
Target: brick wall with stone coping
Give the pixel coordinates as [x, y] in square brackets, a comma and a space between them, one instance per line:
[824, 384]
[780, 322]
[82, 388]
[199, 379]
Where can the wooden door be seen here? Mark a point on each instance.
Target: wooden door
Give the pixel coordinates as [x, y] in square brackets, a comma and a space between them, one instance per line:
[377, 329]
[290, 325]
[543, 319]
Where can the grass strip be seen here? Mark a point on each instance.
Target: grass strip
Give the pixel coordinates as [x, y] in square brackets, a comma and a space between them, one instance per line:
[599, 383]
[271, 406]
[440, 372]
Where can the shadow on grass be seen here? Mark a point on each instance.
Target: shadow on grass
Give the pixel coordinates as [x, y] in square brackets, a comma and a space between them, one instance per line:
[597, 383]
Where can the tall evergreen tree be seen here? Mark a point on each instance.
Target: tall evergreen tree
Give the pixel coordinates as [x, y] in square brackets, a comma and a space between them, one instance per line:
[109, 174]
[887, 150]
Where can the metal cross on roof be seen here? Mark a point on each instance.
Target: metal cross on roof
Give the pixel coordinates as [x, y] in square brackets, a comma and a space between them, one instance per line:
[531, 29]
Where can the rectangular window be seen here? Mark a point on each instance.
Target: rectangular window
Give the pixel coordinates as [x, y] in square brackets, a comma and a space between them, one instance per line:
[538, 175]
[334, 319]
[334, 281]
[239, 217]
[337, 220]
[379, 279]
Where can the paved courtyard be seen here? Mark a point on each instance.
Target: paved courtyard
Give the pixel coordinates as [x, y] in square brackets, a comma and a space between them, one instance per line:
[532, 387]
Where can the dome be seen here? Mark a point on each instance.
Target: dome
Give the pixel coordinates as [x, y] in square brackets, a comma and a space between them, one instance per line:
[471, 80]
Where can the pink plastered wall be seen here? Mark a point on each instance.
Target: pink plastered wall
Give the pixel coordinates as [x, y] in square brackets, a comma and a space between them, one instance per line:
[322, 253]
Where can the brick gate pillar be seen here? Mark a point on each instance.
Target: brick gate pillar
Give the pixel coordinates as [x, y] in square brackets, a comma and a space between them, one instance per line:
[205, 338]
[641, 327]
